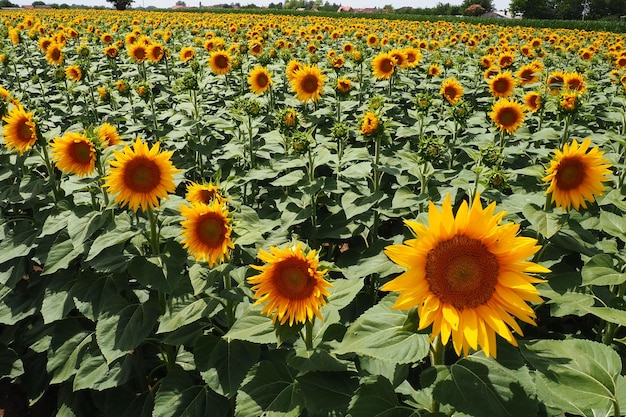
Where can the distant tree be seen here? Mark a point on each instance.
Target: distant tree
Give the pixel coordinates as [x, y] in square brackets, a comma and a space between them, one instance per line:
[181, 3]
[474, 10]
[485, 4]
[534, 9]
[120, 4]
[387, 8]
[7, 3]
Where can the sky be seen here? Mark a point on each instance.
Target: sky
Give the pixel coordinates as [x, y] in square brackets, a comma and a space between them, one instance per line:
[498, 4]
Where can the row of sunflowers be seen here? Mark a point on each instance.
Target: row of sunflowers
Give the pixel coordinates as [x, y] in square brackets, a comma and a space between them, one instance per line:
[244, 215]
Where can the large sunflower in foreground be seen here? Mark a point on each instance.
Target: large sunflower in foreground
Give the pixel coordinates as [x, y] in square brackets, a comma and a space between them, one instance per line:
[290, 284]
[467, 275]
[383, 65]
[451, 90]
[259, 79]
[141, 176]
[74, 153]
[20, 132]
[308, 83]
[502, 84]
[576, 174]
[206, 231]
[507, 115]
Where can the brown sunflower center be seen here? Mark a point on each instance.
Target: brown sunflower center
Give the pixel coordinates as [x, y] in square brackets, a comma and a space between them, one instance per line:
[81, 152]
[501, 85]
[24, 131]
[507, 117]
[206, 196]
[462, 272]
[386, 66]
[142, 175]
[450, 92]
[262, 80]
[221, 61]
[309, 83]
[139, 53]
[211, 230]
[55, 54]
[570, 174]
[294, 279]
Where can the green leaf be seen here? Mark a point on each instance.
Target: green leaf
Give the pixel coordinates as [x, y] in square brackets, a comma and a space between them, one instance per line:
[178, 396]
[57, 301]
[376, 398]
[224, 365]
[483, 387]
[59, 256]
[380, 333]
[151, 273]
[181, 313]
[10, 364]
[269, 390]
[16, 246]
[613, 224]
[253, 327]
[123, 326]
[575, 376]
[62, 362]
[599, 270]
[343, 291]
[288, 179]
[546, 223]
[81, 228]
[110, 238]
[94, 372]
[327, 393]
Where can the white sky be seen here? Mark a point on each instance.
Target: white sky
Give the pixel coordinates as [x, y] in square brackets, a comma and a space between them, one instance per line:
[498, 4]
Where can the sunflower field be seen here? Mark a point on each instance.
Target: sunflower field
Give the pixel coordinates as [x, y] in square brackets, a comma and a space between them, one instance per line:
[230, 214]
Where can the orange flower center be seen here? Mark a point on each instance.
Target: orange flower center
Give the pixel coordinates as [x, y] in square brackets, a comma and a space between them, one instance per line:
[450, 92]
[309, 84]
[386, 66]
[206, 196]
[501, 85]
[507, 117]
[211, 230]
[262, 80]
[55, 54]
[81, 152]
[293, 279]
[139, 54]
[570, 173]
[462, 272]
[142, 175]
[221, 61]
[24, 131]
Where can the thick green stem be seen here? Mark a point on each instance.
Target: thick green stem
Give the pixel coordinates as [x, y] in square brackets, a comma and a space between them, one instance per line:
[308, 335]
[437, 356]
[230, 314]
[154, 235]
[50, 169]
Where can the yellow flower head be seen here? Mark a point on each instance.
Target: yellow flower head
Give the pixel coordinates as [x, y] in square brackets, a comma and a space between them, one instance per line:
[467, 275]
[20, 132]
[74, 154]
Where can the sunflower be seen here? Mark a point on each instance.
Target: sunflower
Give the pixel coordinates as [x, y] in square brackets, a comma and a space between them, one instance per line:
[467, 276]
[533, 101]
[260, 79]
[308, 83]
[569, 102]
[434, 70]
[505, 60]
[383, 65]
[203, 193]
[507, 114]
[110, 51]
[54, 54]
[155, 52]
[187, 53]
[106, 38]
[220, 62]
[138, 51]
[399, 55]
[108, 135]
[502, 84]
[20, 132]
[527, 74]
[290, 284]
[292, 66]
[369, 124]
[372, 40]
[413, 56]
[74, 73]
[44, 43]
[141, 176]
[574, 82]
[451, 90]
[576, 174]
[74, 154]
[206, 231]
[555, 82]
[343, 85]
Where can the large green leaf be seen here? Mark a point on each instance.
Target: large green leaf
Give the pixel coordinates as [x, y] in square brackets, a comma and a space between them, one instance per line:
[269, 390]
[253, 327]
[613, 224]
[110, 238]
[10, 364]
[12, 247]
[224, 365]
[546, 223]
[599, 270]
[122, 326]
[179, 396]
[94, 372]
[485, 387]
[575, 376]
[327, 393]
[182, 311]
[63, 361]
[376, 398]
[380, 333]
[57, 302]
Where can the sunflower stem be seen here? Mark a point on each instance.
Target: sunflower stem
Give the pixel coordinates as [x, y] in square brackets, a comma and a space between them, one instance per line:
[46, 159]
[565, 136]
[437, 357]
[154, 237]
[230, 315]
[611, 328]
[548, 204]
[308, 335]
